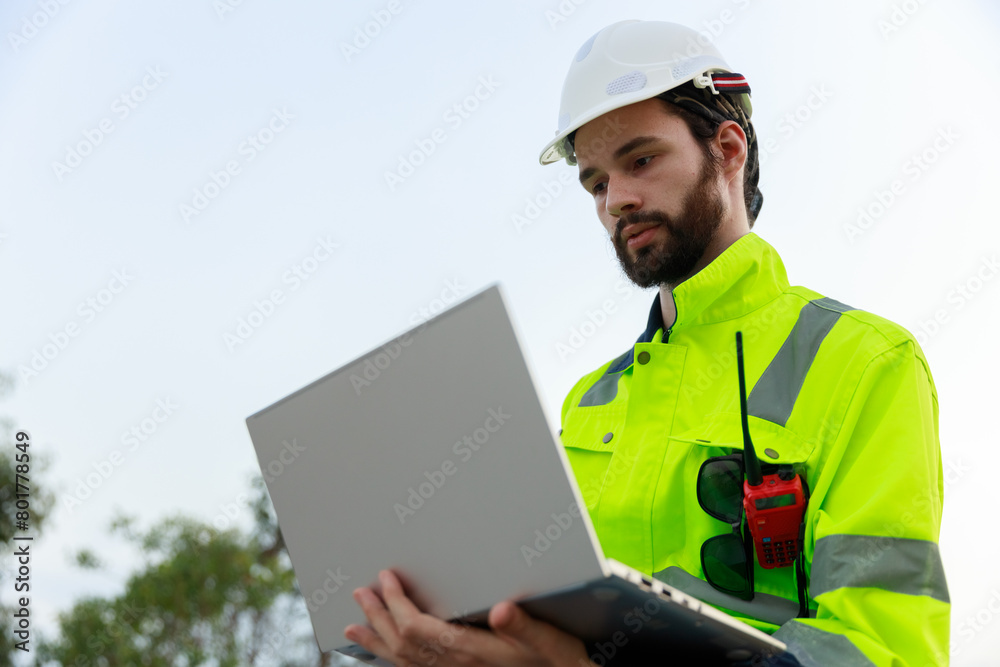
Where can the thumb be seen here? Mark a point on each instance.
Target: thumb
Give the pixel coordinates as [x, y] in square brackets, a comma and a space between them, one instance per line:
[512, 623]
[506, 618]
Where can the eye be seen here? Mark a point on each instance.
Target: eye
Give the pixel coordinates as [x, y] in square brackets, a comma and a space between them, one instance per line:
[598, 188]
[643, 161]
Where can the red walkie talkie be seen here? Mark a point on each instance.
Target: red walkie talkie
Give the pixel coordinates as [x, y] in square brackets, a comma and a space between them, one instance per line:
[774, 504]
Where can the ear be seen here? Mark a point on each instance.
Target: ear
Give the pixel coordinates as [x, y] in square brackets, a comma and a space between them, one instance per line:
[731, 143]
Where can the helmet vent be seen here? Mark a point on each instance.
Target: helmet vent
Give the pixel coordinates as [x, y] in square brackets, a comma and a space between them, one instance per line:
[627, 83]
[682, 70]
[587, 46]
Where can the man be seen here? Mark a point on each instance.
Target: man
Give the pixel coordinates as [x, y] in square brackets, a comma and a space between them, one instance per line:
[664, 145]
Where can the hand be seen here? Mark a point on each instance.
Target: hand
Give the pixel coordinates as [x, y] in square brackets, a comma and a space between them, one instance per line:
[405, 636]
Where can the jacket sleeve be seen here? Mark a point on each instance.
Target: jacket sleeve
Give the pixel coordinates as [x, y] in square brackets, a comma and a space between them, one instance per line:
[872, 559]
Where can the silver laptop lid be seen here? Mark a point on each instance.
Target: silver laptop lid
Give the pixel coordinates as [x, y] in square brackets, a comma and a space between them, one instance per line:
[430, 455]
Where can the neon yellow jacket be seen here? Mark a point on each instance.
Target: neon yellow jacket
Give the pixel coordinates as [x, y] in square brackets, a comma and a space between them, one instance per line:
[844, 392]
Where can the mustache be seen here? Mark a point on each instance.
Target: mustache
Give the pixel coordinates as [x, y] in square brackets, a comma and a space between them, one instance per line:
[641, 217]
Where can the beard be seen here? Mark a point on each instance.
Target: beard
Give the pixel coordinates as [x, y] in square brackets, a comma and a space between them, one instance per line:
[688, 235]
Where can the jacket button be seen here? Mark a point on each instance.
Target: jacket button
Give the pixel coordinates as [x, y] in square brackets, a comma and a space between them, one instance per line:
[643, 358]
[608, 436]
[771, 453]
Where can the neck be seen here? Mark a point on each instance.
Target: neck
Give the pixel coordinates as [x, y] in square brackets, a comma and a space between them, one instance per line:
[725, 237]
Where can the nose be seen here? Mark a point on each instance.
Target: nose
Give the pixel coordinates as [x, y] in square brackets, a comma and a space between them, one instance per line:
[621, 198]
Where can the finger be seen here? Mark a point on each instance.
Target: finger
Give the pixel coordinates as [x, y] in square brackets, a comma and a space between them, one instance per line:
[377, 614]
[458, 643]
[394, 595]
[420, 633]
[368, 639]
[502, 615]
[513, 624]
[411, 623]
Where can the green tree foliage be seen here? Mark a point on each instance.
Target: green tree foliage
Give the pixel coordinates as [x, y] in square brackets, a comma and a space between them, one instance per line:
[204, 597]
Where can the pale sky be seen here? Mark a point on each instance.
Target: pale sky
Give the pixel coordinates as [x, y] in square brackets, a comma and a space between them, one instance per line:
[168, 168]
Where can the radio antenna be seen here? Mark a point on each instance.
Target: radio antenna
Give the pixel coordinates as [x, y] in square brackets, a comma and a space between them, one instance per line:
[750, 463]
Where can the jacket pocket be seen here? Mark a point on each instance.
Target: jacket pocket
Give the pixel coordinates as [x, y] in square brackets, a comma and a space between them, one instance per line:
[724, 431]
[689, 525]
[590, 435]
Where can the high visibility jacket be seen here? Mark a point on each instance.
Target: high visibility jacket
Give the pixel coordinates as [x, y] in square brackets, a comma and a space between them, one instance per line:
[846, 394]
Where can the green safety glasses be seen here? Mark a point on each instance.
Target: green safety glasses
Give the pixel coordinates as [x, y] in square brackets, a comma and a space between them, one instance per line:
[727, 560]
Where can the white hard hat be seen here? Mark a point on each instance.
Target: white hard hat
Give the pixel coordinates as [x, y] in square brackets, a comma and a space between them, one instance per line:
[632, 61]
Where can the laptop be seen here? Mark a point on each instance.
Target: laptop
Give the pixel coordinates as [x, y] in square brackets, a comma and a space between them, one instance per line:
[431, 455]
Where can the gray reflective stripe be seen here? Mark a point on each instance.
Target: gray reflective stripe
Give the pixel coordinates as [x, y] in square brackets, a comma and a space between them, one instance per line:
[601, 392]
[773, 397]
[605, 389]
[832, 304]
[623, 362]
[816, 648]
[896, 564]
[770, 608]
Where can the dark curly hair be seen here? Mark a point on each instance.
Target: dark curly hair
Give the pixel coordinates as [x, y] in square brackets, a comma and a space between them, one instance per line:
[703, 112]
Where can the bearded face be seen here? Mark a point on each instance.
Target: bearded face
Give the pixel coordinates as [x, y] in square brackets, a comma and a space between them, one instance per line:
[680, 240]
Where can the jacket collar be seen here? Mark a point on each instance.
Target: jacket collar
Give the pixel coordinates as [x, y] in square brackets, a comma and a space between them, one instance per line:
[747, 275]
